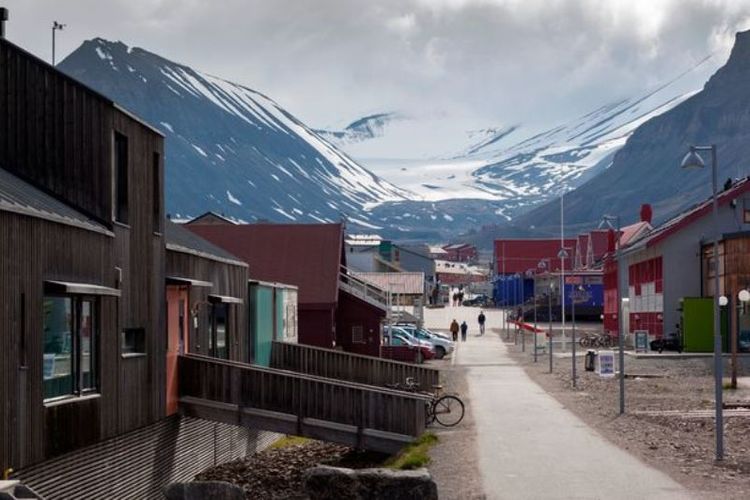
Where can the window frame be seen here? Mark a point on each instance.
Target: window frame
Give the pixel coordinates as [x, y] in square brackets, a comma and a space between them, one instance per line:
[79, 389]
[213, 334]
[120, 178]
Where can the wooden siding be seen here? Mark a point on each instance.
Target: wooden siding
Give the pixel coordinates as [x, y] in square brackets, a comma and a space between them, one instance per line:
[57, 135]
[227, 280]
[54, 132]
[140, 463]
[340, 365]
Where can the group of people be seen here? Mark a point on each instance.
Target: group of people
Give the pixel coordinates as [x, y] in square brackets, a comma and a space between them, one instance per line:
[464, 328]
[458, 296]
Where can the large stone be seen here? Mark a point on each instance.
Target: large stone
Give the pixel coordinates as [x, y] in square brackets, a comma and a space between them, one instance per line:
[204, 490]
[327, 483]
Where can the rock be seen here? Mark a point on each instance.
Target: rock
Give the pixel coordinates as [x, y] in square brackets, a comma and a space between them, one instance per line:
[326, 483]
[204, 490]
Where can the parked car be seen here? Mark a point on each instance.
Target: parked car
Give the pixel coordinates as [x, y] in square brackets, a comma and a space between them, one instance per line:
[669, 342]
[480, 300]
[400, 348]
[442, 344]
[409, 336]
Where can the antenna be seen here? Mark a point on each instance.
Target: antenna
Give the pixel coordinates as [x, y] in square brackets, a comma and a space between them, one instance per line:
[55, 27]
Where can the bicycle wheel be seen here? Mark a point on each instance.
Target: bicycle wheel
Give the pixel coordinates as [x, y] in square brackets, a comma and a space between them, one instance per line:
[606, 341]
[448, 410]
[584, 342]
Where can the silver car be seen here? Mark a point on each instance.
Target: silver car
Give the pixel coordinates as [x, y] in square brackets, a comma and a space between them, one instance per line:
[443, 345]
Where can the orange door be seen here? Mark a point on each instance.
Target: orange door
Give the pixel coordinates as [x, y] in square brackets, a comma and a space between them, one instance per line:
[177, 341]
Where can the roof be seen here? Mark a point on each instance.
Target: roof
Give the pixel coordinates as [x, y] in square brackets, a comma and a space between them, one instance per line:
[181, 240]
[686, 218]
[210, 218]
[363, 239]
[406, 283]
[21, 197]
[599, 241]
[632, 232]
[457, 246]
[305, 255]
[436, 250]
[518, 255]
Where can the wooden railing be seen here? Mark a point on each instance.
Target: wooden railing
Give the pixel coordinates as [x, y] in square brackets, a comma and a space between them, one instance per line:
[342, 365]
[283, 401]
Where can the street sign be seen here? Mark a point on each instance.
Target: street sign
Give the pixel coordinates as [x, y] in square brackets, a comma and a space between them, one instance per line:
[606, 364]
[641, 340]
[580, 296]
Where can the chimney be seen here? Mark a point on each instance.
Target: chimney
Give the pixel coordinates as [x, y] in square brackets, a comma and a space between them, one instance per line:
[3, 18]
[646, 213]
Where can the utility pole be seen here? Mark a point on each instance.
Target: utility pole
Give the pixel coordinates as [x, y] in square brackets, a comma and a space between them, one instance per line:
[55, 27]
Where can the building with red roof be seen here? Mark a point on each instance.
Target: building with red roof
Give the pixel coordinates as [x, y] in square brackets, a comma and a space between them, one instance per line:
[311, 257]
[519, 255]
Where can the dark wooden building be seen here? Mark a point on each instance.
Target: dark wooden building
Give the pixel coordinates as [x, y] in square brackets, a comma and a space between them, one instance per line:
[83, 321]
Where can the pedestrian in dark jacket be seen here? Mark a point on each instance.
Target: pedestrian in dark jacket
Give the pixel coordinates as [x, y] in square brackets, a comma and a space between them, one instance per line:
[454, 330]
[464, 328]
[481, 319]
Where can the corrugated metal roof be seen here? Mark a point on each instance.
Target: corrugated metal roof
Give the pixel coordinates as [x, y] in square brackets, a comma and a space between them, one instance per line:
[410, 283]
[21, 197]
[305, 255]
[180, 239]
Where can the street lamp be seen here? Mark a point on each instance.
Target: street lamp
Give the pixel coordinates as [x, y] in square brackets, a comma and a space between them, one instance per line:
[608, 220]
[693, 160]
[545, 264]
[577, 289]
[562, 255]
[55, 27]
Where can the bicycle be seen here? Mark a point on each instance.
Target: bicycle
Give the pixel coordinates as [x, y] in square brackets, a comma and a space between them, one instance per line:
[446, 409]
[596, 340]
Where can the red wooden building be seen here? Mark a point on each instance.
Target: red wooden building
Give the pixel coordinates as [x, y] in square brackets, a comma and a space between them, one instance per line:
[460, 252]
[311, 257]
[520, 255]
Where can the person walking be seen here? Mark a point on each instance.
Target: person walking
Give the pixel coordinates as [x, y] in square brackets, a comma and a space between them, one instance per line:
[464, 329]
[454, 330]
[481, 319]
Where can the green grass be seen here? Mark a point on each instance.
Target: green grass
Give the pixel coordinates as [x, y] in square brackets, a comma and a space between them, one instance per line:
[415, 455]
[728, 386]
[287, 441]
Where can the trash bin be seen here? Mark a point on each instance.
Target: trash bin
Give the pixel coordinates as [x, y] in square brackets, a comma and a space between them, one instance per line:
[590, 361]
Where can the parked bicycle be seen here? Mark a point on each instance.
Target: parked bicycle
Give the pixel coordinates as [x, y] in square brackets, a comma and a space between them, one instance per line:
[596, 340]
[446, 409]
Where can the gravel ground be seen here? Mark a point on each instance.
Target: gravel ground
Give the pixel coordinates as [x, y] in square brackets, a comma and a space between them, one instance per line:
[454, 463]
[681, 447]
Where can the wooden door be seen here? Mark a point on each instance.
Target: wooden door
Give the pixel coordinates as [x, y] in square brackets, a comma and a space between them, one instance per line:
[177, 341]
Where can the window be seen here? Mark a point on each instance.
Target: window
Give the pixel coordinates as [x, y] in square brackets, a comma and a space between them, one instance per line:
[358, 336]
[156, 185]
[121, 178]
[70, 346]
[218, 342]
[133, 341]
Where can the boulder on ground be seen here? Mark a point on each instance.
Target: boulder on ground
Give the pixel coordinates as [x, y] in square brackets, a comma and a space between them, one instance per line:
[204, 490]
[324, 482]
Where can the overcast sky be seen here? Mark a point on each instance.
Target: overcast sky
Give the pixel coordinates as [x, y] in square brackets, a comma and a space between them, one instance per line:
[330, 61]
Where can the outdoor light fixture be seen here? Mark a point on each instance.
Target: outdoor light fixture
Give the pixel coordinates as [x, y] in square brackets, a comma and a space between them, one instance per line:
[693, 160]
[744, 296]
[723, 301]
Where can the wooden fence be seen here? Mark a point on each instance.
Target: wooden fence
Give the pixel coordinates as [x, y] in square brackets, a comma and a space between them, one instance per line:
[342, 365]
[304, 405]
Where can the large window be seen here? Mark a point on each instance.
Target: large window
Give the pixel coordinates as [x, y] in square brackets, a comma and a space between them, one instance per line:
[70, 346]
[121, 178]
[219, 326]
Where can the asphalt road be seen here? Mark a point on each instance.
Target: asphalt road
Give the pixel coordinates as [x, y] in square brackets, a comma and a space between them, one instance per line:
[529, 446]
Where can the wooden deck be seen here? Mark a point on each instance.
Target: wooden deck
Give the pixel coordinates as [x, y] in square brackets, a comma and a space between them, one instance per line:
[303, 405]
[342, 365]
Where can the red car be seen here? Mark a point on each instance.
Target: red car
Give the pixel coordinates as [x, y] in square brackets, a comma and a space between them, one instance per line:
[400, 348]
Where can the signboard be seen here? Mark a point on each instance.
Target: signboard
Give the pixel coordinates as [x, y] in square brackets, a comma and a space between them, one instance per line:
[641, 340]
[580, 296]
[606, 364]
[573, 280]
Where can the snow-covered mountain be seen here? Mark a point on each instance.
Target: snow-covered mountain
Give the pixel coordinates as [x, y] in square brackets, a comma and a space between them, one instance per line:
[360, 130]
[231, 149]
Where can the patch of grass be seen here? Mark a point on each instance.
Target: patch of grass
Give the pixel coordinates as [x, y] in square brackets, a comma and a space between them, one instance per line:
[288, 441]
[415, 455]
[728, 386]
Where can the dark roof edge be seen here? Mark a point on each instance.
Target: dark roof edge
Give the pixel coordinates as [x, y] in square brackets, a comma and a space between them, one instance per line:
[205, 255]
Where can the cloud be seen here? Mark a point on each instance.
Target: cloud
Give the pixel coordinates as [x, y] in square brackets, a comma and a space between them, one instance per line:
[328, 61]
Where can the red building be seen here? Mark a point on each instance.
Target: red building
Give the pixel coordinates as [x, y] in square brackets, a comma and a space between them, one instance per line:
[520, 255]
[311, 257]
[460, 252]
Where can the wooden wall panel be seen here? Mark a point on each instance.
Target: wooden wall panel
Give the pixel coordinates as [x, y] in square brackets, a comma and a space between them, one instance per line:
[228, 280]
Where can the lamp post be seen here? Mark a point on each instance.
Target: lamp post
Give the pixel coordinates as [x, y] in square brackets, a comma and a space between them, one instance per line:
[562, 255]
[573, 296]
[545, 264]
[693, 160]
[609, 219]
[535, 346]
